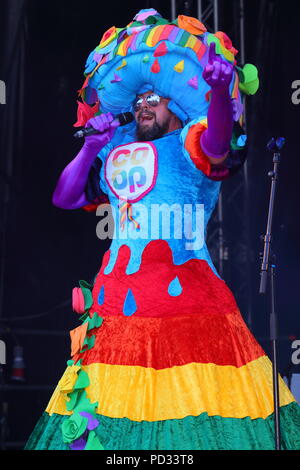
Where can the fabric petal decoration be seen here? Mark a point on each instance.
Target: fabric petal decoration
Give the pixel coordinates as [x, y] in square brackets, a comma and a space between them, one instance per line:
[85, 112]
[191, 25]
[68, 380]
[249, 88]
[83, 380]
[78, 300]
[129, 305]
[108, 48]
[92, 421]
[137, 29]
[248, 73]
[238, 109]
[95, 321]
[249, 81]
[77, 338]
[142, 15]
[79, 444]
[84, 404]
[87, 293]
[123, 64]
[84, 317]
[179, 67]
[161, 50]
[155, 67]
[79, 400]
[241, 142]
[226, 42]
[97, 57]
[74, 396]
[212, 38]
[108, 36]
[89, 342]
[175, 288]
[93, 442]
[92, 64]
[73, 427]
[193, 82]
[157, 21]
[101, 296]
[116, 79]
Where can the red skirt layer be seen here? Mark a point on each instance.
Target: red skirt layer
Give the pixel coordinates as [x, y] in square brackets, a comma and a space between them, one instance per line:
[162, 343]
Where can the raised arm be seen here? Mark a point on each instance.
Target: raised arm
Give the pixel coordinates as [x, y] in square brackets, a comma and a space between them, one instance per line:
[215, 141]
[69, 191]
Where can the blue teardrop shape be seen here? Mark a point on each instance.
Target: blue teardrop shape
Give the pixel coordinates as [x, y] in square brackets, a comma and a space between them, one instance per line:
[129, 305]
[101, 296]
[175, 288]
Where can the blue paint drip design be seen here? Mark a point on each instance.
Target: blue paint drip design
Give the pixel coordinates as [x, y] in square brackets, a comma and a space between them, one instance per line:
[101, 296]
[175, 288]
[130, 306]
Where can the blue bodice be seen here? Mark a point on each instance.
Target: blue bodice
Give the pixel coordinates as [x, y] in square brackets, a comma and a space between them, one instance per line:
[167, 197]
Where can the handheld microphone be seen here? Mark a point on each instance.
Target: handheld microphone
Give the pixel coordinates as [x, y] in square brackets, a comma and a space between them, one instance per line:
[121, 119]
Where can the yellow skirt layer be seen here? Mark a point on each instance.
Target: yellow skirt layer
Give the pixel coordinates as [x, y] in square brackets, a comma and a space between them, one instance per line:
[140, 393]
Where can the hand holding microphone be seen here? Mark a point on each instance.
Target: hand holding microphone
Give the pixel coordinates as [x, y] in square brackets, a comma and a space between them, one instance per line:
[69, 192]
[99, 130]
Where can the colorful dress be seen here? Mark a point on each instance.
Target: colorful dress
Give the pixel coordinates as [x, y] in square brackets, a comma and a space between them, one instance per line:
[163, 359]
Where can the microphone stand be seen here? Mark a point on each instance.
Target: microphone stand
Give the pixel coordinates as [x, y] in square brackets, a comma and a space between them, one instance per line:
[268, 268]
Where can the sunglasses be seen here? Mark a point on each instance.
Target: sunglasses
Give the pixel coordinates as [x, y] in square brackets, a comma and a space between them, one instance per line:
[152, 100]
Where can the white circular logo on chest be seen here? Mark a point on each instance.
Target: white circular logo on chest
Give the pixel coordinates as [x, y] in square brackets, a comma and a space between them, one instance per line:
[131, 170]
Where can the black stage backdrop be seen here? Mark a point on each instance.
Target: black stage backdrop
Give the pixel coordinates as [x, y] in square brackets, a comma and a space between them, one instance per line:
[45, 250]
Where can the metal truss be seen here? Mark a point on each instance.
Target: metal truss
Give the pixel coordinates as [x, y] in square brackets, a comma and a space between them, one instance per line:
[206, 10]
[228, 234]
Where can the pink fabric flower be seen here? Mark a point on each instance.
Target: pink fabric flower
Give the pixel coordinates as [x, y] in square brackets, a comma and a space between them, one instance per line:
[78, 300]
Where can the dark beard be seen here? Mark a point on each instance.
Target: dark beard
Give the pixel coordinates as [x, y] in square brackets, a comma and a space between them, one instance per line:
[150, 133]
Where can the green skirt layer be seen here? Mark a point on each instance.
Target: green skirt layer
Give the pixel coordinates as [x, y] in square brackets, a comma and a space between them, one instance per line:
[191, 433]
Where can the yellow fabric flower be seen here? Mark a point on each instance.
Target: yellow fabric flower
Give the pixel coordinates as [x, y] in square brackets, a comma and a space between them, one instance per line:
[68, 380]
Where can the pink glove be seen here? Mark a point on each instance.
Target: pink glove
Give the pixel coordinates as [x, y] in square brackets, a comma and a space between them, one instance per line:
[215, 141]
[69, 192]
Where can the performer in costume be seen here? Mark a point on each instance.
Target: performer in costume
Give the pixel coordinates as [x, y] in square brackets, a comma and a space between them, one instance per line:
[162, 358]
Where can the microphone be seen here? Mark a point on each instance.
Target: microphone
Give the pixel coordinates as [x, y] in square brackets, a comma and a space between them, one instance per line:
[275, 144]
[121, 119]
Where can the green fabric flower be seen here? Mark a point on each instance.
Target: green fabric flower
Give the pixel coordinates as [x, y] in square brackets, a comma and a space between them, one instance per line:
[89, 342]
[73, 427]
[87, 293]
[95, 321]
[249, 81]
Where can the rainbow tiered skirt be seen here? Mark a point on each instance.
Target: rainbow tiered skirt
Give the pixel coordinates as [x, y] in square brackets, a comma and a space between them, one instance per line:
[164, 361]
